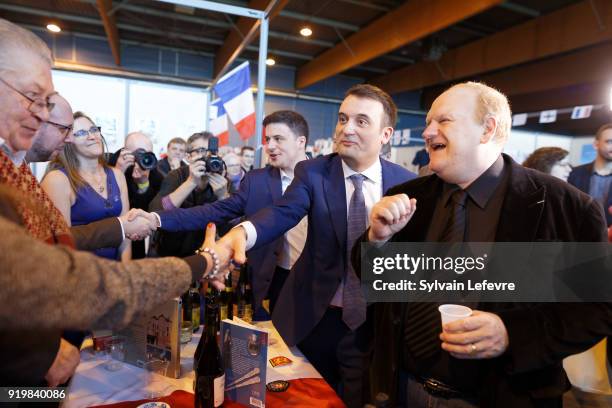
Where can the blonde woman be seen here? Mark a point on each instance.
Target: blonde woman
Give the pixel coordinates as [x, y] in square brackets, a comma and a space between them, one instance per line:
[84, 188]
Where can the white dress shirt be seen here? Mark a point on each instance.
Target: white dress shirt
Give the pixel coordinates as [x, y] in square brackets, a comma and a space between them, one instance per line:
[16, 157]
[295, 238]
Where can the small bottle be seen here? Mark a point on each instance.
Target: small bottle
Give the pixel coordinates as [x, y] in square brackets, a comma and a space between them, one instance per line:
[226, 300]
[187, 307]
[209, 371]
[194, 296]
[243, 296]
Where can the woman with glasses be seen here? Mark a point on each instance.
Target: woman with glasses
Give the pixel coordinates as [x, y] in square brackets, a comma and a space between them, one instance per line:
[550, 160]
[84, 188]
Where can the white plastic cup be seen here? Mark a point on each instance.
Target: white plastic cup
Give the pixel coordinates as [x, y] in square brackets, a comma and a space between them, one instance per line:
[450, 313]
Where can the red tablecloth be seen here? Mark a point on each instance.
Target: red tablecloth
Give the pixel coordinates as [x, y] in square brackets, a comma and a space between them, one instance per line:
[305, 392]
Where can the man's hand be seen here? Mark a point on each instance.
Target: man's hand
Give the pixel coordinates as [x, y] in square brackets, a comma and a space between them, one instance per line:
[223, 255]
[138, 224]
[64, 365]
[174, 163]
[218, 184]
[482, 335]
[125, 160]
[390, 215]
[140, 176]
[197, 169]
[234, 243]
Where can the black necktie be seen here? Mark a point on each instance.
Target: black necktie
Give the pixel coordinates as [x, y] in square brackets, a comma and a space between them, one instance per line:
[423, 323]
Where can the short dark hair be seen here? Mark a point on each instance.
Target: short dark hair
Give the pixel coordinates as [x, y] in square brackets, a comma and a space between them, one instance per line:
[373, 92]
[196, 136]
[544, 158]
[246, 148]
[602, 129]
[292, 119]
[177, 140]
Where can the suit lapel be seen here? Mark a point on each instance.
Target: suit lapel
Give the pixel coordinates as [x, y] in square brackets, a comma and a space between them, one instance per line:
[522, 208]
[426, 195]
[335, 195]
[275, 184]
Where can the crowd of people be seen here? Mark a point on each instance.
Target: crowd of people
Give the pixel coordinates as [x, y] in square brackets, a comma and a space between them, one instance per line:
[105, 236]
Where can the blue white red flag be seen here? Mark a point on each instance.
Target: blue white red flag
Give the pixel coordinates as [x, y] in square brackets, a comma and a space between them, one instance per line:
[218, 122]
[234, 89]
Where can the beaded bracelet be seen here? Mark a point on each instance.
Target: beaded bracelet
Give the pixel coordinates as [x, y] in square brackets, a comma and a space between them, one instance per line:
[215, 269]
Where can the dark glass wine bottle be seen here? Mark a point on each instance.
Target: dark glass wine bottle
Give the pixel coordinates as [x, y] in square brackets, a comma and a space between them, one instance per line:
[243, 296]
[209, 372]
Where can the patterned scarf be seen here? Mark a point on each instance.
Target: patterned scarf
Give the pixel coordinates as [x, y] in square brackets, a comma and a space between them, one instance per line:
[40, 216]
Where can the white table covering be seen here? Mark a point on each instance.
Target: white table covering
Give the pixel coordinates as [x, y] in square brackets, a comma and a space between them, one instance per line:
[92, 384]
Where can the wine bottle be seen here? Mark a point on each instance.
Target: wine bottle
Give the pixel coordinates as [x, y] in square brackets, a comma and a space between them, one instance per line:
[210, 373]
[187, 307]
[194, 295]
[244, 308]
[226, 301]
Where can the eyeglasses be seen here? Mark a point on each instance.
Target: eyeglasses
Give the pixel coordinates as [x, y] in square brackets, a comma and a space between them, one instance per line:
[62, 128]
[199, 150]
[37, 105]
[85, 132]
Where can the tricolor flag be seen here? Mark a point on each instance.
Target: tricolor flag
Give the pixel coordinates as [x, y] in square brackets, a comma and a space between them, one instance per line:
[218, 122]
[582, 112]
[234, 89]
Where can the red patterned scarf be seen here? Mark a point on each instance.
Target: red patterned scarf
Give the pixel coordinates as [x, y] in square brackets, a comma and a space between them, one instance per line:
[40, 216]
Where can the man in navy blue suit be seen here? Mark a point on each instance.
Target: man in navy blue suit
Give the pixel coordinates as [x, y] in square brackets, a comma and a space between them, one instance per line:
[595, 178]
[286, 138]
[320, 308]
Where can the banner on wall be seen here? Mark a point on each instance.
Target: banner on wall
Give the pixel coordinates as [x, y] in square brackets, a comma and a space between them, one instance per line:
[519, 119]
[582, 112]
[218, 122]
[234, 90]
[548, 116]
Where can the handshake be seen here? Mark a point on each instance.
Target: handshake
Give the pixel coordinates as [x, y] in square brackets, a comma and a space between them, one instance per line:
[139, 224]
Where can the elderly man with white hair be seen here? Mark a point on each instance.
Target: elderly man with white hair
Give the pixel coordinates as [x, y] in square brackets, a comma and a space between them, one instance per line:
[38, 357]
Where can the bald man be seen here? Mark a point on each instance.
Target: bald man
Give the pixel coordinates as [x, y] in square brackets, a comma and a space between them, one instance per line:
[143, 185]
[52, 134]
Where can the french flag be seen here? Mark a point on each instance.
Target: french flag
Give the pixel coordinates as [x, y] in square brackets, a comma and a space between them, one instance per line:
[218, 122]
[234, 90]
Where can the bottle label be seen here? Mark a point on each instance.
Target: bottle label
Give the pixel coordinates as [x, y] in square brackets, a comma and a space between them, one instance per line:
[195, 317]
[219, 387]
[223, 312]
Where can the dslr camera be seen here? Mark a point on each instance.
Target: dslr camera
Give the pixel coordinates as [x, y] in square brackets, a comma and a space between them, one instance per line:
[146, 160]
[214, 163]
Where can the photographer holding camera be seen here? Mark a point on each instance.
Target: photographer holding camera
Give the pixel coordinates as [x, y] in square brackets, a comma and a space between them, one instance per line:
[200, 183]
[138, 162]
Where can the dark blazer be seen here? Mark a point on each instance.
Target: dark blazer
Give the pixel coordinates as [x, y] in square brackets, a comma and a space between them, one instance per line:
[580, 177]
[259, 189]
[318, 191]
[537, 207]
[99, 234]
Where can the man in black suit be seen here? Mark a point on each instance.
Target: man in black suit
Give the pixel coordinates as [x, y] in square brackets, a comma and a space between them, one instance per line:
[595, 178]
[505, 354]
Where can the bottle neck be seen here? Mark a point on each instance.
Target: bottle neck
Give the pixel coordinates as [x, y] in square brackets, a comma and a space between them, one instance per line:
[211, 321]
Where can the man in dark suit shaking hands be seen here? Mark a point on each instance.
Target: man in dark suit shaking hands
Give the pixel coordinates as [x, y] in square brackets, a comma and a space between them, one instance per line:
[321, 307]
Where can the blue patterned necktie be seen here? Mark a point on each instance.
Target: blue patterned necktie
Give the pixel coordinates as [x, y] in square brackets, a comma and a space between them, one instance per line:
[353, 301]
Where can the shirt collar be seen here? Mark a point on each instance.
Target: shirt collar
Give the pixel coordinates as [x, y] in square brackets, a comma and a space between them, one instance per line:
[285, 175]
[372, 173]
[16, 157]
[482, 189]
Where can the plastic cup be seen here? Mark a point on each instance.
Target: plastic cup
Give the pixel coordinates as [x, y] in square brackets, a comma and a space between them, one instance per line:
[114, 353]
[155, 375]
[450, 313]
